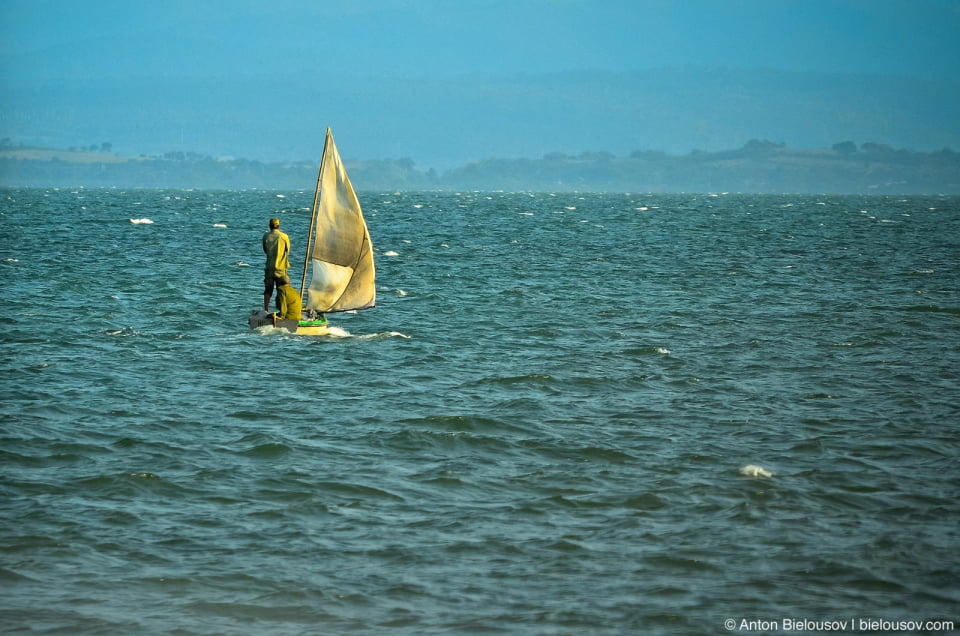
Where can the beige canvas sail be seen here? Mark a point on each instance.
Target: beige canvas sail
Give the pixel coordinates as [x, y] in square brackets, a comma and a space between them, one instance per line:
[341, 255]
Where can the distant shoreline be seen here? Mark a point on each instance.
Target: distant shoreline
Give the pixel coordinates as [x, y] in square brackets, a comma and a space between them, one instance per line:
[760, 166]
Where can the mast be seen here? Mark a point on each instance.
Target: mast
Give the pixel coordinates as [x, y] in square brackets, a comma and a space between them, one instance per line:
[313, 215]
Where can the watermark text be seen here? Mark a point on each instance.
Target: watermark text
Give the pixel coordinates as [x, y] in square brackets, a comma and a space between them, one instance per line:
[852, 625]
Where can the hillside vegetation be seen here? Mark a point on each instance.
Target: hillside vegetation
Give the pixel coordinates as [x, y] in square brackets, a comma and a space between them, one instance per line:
[759, 166]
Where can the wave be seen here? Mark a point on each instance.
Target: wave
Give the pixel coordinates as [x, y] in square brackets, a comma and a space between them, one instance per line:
[752, 470]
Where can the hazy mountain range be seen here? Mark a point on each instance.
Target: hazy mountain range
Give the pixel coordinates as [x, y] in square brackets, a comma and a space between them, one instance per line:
[444, 122]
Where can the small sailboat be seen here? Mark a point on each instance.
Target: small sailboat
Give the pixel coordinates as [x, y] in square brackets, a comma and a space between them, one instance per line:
[339, 253]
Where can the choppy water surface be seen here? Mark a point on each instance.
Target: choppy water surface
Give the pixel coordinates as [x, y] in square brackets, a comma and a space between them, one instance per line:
[539, 430]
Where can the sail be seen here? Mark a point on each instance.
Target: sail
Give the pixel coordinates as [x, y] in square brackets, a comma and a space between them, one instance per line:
[341, 256]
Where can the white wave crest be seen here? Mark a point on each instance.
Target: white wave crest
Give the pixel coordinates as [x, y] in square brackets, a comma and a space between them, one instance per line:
[752, 470]
[385, 334]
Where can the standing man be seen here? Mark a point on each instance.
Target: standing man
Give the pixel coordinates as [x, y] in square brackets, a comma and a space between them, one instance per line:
[276, 245]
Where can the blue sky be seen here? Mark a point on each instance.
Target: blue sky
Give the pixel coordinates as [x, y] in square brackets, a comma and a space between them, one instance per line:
[245, 77]
[410, 37]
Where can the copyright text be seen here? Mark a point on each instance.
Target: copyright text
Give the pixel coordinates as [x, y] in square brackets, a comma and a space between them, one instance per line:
[856, 625]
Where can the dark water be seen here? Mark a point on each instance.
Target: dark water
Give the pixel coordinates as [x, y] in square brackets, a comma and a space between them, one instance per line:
[539, 430]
